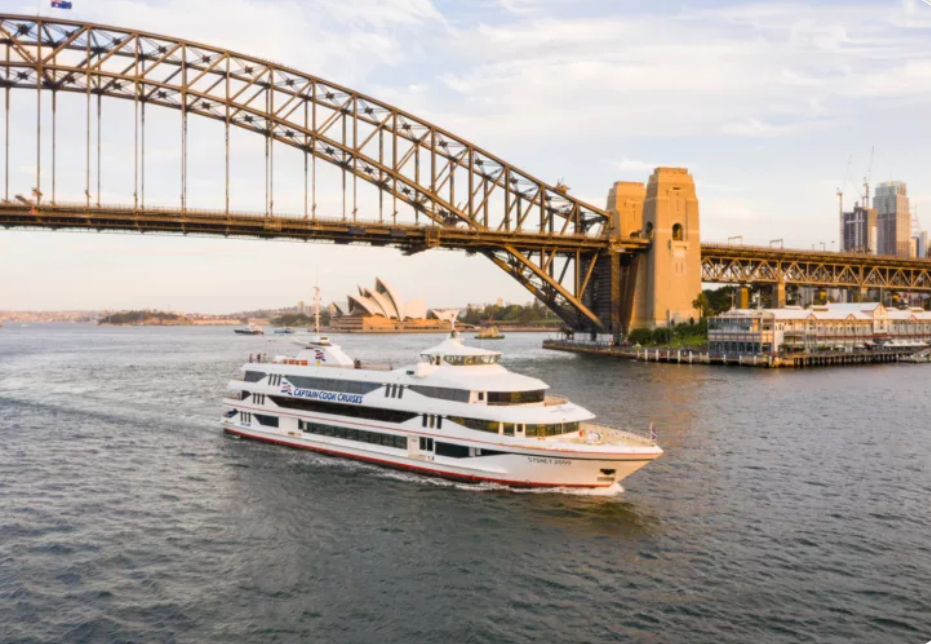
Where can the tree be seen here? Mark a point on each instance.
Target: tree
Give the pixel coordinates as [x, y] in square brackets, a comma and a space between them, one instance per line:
[702, 303]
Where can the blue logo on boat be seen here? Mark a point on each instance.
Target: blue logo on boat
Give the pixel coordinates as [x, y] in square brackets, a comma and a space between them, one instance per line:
[319, 394]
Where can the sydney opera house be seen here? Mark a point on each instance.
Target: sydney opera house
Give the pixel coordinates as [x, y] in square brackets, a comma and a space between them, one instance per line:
[381, 310]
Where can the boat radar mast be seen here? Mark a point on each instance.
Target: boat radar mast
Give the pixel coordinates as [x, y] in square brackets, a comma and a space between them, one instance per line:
[318, 339]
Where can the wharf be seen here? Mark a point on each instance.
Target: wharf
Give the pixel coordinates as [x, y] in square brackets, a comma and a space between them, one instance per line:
[688, 356]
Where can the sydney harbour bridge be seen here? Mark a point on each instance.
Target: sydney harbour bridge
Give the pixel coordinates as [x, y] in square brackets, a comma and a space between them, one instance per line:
[432, 189]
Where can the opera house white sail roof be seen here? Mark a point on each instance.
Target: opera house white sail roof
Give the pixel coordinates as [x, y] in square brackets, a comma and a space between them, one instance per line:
[384, 301]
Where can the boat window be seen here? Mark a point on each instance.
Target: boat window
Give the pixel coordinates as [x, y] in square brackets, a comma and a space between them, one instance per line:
[268, 421]
[452, 450]
[432, 421]
[481, 395]
[540, 430]
[471, 361]
[425, 420]
[334, 384]
[426, 444]
[461, 451]
[439, 422]
[476, 424]
[509, 429]
[401, 391]
[443, 393]
[254, 376]
[515, 397]
[337, 409]
[360, 435]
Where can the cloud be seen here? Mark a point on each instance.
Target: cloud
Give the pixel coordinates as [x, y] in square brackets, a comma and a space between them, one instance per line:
[625, 165]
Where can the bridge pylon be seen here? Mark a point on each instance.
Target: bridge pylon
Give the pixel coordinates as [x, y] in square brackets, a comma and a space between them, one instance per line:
[667, 277]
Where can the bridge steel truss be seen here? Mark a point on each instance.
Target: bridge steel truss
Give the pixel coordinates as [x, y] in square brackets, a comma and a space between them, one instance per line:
[733, 264]
[459, 195]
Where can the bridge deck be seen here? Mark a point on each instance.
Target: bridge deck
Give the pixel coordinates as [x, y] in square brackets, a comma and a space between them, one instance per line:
[64, 216]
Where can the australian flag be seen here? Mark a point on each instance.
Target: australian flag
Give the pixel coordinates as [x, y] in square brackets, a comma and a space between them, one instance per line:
[320, 355]
[61, 4]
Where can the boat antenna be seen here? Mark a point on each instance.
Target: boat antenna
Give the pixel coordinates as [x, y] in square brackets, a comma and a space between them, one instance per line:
[317, 304]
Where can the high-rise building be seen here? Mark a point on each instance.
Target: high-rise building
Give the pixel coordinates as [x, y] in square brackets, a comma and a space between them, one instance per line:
[893, 219]
[859, 230]
[921, 244]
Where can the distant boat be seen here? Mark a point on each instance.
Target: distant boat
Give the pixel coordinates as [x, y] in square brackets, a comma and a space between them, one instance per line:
[489, 333]
[284, 331]
[252, 329]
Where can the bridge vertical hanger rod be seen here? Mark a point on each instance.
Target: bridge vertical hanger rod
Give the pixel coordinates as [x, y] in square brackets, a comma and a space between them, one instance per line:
[136, 125]
[54, 140]
[313, 157]
[469, 205]
[355, 149]
[433, 165]
[271, 142]
[452, 165]
[306, 143]
[99, 147]
[6, 131]
[226, 140]
[417, 177]
[142, 137]
[87, 85]
[381, 176]
[38, 192]
[345, 161]
[507, 199]
[267, 141]
[485, 197]
[394, 166]
[183, 128]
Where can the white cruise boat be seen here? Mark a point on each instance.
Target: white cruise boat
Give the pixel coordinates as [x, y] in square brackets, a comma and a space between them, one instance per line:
[456, 413]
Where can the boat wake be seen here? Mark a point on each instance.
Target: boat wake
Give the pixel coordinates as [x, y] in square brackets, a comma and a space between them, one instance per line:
[407, 477]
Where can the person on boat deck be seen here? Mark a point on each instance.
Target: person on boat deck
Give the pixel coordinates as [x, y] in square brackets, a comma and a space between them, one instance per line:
[356, 364]
[250, 358]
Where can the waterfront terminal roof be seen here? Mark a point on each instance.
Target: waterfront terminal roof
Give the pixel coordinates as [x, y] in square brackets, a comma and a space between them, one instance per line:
[855, 311]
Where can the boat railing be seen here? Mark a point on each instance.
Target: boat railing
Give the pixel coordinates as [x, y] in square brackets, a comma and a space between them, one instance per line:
[552, 400]
[605, 434]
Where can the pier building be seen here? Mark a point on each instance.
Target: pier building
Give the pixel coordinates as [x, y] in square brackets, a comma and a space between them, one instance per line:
[844, 327]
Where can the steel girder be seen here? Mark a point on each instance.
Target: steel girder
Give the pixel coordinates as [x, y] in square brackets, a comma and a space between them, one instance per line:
[760, 265]
[435, 174]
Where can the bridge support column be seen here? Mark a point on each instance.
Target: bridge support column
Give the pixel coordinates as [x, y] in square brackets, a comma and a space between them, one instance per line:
[743, 297]
[777, 295]
[668, 278]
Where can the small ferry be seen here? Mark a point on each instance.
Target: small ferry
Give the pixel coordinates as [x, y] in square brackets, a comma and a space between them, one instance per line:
[489, 333]
[284, 331]
[457, 413]
[252, 329]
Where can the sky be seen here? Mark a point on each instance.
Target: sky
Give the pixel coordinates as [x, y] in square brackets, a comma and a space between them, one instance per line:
[766, 103]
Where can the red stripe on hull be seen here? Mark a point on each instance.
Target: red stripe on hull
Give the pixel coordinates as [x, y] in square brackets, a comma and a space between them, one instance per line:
[402, 466]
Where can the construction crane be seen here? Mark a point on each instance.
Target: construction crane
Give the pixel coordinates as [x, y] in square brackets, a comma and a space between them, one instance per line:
[840, 201]
[866, 180]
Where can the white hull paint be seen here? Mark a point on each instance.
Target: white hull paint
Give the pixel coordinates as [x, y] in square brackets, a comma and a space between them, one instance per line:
[456, 414]
[543, 468]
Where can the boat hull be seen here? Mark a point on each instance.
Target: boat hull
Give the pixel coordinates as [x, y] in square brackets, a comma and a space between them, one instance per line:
[519, 470]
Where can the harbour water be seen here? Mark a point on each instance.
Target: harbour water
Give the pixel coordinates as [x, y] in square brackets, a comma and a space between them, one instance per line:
[789, 507]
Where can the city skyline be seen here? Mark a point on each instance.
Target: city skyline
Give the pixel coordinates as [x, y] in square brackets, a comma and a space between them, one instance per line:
[764, 103]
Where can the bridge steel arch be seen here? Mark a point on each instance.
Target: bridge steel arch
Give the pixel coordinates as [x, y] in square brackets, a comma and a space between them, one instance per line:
[556, 245]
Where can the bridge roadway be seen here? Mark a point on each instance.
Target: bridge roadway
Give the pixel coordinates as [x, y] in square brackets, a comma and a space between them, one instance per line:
[409, 237]
[721, 263]
[761, 265]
